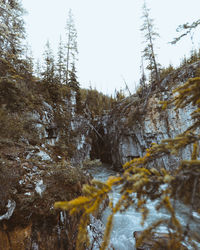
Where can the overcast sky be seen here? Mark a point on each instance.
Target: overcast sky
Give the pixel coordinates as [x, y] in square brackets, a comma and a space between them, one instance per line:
[109, 37]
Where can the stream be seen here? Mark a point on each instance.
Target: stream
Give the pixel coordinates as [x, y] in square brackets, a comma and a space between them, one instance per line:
[128, 222]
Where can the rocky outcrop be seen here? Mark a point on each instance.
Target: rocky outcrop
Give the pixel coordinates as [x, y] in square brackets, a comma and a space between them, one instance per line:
[42, 117]
[157, 241]
[138, 121]
[59, 133]
[28, 219]
[42, 146]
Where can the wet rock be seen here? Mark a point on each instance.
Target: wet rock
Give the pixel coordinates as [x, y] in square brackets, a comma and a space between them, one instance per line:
[96, 232]
[157, 241]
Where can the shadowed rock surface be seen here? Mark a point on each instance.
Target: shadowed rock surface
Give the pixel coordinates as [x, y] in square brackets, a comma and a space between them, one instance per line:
[156, 241]
[28, 219]
[138, 121]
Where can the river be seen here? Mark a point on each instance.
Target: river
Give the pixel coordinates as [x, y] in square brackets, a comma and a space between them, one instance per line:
[128, 222]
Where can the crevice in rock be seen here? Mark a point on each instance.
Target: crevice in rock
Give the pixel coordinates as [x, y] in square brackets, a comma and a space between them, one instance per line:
[101, 146]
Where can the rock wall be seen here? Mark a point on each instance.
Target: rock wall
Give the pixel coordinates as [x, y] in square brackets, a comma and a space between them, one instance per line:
[136, 122]
[28, 219]
[60, 133]
[39, 166]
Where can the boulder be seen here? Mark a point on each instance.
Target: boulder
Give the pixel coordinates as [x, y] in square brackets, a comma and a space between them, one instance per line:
[28, 219]
[157, 241]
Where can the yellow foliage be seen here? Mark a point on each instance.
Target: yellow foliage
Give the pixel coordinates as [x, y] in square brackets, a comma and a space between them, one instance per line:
[107, 232]
[195, 151]
[146, 182]
[164, 104]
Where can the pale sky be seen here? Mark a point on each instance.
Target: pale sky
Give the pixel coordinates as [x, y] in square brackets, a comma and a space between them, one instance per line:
[109, 37]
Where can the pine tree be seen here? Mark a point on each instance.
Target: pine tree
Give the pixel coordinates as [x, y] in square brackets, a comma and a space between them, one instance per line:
[143, 76]
[71, 44]
[28, 58]
[74, 84]
[11, 29]
[12, 33]
[49, 66]
[119, 95]
[150, 36]
[38, 69]
[61, 62]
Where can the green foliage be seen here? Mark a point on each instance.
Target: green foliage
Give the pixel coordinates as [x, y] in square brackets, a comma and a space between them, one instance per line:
[12, 53]
[57, 92]
[150, 35]
[146, 182]
[119, 95]
[75, 86]
[71, 44]
[61, 67]
[11, 29]
[11, 126]
[48, 73]
[194, 57]
[185, 29]
[166, 71]
[95, 102]
[19, 98]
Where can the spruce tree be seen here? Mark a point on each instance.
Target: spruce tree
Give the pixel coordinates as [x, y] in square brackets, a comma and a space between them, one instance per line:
[11, 27]
[38, 69]
[71, 44]
[74, 84]
[61, 62]
[12, 33]
[28, 60]
[48, 73]
[150, 36]
[143, 77]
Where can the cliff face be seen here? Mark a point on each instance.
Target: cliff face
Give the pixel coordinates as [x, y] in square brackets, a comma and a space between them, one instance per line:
[42, 145]
[28, 219]
[136, 122]
[42, 120]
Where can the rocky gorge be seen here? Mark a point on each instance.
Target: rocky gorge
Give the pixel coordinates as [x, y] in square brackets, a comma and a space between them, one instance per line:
[46, 144]
[137, 122]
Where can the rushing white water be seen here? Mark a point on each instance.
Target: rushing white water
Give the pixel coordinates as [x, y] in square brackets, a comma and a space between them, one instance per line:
[128, 222]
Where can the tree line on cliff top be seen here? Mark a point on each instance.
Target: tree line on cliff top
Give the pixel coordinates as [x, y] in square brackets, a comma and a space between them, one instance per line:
[16, 58]
[58, 74]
